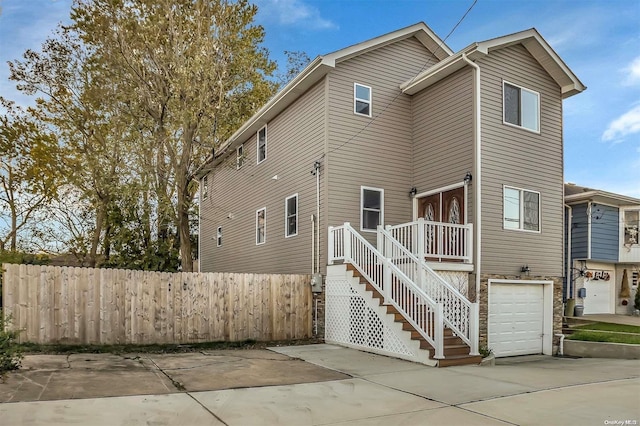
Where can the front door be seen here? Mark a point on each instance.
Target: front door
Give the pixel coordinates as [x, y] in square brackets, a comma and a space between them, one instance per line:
[448, 207]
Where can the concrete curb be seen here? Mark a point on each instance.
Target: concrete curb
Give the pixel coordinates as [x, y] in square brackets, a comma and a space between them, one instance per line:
[601, 350]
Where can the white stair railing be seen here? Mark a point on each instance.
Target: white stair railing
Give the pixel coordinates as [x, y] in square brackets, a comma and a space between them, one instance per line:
[398, 290]
[460, 315]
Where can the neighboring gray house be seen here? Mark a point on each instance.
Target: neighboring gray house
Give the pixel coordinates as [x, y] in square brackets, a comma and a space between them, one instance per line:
[603, 254]
[462, 153]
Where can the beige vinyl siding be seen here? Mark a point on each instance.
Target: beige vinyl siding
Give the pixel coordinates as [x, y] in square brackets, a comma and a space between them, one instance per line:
[520, 158]
[443, 134]
[295, 139]
[377, 154]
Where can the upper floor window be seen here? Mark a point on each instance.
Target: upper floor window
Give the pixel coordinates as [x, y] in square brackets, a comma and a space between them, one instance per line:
[291, 216]
[521, 209]
[219, 236]
[631, 226]
[521, 107]
[261, 225]
[362, 99]
[262, 144]
[371, 208]
[205, 187]
[239, 156]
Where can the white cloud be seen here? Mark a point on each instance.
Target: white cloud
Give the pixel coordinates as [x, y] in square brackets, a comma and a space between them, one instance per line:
[627, 124]
[295, 12]
[633, 71]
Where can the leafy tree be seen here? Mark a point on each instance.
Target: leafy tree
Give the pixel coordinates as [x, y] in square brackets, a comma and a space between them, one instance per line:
[189, 71]
[28, 178]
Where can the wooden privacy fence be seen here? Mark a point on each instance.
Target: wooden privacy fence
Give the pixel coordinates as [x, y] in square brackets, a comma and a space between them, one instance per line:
[52, 304]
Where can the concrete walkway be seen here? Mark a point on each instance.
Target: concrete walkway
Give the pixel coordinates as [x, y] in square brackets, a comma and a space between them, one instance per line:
[367, 390]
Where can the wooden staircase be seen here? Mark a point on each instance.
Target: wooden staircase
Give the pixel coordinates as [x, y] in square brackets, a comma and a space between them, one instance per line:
[456, 352]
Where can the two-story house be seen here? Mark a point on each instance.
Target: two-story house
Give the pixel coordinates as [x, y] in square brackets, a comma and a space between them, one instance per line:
[459, 155]
[603, 252]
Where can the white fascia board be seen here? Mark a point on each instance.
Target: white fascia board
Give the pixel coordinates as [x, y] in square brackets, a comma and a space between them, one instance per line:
[602, 197]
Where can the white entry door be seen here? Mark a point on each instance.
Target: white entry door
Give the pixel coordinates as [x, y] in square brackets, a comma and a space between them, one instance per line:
[516, 319]
[598, 300]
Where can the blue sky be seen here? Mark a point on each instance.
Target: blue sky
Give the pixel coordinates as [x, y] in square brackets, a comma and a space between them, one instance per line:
[598, 40]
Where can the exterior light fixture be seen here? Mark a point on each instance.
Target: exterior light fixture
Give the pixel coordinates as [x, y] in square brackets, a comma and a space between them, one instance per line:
[525, 269]
[413, 192]
[468, 178]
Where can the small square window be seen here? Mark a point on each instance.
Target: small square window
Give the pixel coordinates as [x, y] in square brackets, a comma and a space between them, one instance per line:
[362, 99]
[262, 144]
[291, 216]
[521, 209]
[372, 208]
[239, 156]
[261, 225]
[219, 236]
[521, 107]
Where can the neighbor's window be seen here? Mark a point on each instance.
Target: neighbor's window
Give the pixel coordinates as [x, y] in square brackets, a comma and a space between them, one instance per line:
[261, 225]
[205, 187]
[219, 236]
[362, 99]
[239, 156]
[372, 208]
[291, 216]
[631, 226]
[521, 209]
[521, 107]
[262, 144]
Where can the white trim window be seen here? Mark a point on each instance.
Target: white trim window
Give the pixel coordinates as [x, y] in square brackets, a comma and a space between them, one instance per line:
[371, 208]
[261, 225]
[204, 191]
[219, 236]
[239, 157]
[291, 216]
[631, 223]
[521, 107]
[261, 145]
[521, 209]
[361, 99]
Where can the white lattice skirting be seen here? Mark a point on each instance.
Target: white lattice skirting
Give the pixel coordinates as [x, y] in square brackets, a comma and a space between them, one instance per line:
[354, 318]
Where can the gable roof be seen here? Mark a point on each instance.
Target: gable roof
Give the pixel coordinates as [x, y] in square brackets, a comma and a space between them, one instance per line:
[574, 194]
[316, 70]
[530, 39]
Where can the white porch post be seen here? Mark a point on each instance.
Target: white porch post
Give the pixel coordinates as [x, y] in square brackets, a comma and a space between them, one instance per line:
[385, 248]
[422, 273]
[331, 246]
[346, 241]
[439, 332]
[474, 328]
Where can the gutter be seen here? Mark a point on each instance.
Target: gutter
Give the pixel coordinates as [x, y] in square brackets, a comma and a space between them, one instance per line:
[477, 175]
[568, 253]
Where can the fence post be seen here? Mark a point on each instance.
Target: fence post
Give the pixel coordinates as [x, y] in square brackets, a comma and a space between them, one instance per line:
[474, 328]
[384, 246]
[469, 246]
[422, 273]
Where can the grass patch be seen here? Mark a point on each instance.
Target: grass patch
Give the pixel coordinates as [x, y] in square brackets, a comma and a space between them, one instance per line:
[35, 348]
[605, 326]
[608, 337]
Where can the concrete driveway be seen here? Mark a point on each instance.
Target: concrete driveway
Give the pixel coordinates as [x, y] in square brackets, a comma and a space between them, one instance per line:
[317, 385]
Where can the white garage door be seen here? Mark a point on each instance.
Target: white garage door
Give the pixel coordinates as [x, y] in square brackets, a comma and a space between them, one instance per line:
[598, 300]
[516, 319]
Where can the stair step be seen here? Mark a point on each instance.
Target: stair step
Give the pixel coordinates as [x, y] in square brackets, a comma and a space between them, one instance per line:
[459, 360]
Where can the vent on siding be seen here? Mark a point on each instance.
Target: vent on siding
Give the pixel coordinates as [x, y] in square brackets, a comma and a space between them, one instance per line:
[635, 276]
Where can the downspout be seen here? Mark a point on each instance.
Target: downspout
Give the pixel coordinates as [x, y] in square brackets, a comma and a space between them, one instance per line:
[589, 230]
[317, 169]
[477, 180]
[569, 262]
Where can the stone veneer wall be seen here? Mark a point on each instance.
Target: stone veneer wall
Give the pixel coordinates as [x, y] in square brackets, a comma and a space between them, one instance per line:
[484, 299]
